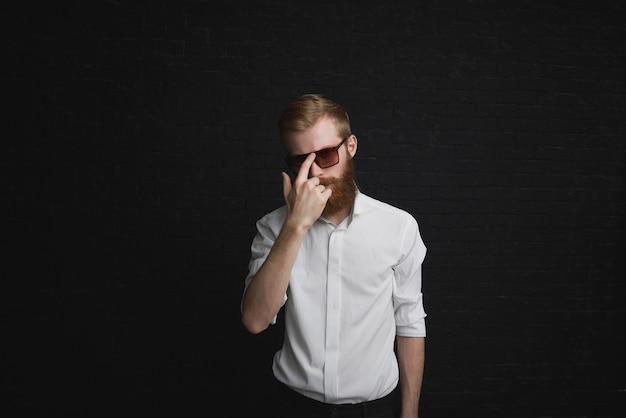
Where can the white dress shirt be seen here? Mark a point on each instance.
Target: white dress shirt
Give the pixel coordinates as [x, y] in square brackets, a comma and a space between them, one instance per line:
[353, 288]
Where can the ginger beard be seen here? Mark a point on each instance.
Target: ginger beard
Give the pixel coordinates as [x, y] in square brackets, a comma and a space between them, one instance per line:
[344, 190]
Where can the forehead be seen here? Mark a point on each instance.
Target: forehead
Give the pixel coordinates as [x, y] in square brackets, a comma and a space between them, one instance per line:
[321, 135]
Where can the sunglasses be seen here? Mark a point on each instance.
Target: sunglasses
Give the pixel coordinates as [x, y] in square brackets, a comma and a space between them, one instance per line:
[324, 158]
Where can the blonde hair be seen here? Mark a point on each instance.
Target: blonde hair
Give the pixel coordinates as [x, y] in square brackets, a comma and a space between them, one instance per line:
[306, 110]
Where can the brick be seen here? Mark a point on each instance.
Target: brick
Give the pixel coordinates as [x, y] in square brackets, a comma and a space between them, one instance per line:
[141, 148]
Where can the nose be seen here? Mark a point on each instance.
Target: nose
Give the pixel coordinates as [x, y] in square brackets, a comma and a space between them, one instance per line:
[315, 170]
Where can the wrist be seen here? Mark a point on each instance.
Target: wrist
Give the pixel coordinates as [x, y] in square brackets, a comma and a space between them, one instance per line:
[295, 227]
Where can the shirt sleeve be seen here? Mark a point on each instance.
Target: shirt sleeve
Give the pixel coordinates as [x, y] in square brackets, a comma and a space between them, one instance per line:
[259, 250]
[407, 290]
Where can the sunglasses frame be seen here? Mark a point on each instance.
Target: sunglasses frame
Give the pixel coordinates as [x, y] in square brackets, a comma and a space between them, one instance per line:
[299, 158]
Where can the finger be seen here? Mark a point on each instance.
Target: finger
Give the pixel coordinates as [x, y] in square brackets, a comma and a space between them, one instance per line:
[286, 184]
[303, 173]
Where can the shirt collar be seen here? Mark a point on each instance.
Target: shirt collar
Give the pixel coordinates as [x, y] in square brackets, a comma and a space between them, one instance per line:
[361, 205]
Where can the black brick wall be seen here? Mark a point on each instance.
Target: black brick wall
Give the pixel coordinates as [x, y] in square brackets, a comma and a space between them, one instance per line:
[139, 148]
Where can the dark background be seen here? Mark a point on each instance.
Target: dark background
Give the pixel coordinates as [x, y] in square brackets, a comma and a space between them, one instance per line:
[140, 147]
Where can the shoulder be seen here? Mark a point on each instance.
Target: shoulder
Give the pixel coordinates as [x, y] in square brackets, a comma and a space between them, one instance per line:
[388, 221]
[366, 204]
[273, 218]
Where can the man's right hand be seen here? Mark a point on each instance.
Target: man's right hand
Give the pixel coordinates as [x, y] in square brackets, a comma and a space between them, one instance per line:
[306, 198]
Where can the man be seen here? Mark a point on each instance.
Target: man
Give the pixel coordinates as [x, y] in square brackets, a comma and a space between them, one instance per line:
[347, 269]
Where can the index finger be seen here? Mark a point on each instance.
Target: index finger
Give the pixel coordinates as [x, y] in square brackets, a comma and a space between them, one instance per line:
[303, 173]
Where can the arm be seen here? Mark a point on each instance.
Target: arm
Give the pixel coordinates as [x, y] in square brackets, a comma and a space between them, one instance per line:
[264, 295]
[411, 361]
[305, 201]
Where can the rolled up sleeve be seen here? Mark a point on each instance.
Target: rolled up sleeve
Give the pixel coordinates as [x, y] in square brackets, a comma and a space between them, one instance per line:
[407, 291]
[259, 250]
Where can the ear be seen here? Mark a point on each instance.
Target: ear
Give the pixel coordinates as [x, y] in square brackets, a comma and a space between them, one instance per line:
[352, 145]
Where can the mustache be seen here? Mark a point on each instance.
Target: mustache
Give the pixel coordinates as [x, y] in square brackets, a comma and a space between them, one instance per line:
[327, 181]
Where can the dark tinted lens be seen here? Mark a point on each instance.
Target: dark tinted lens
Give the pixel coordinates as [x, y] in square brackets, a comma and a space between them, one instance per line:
[327, 157]
[324, 158]
[295, 161]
